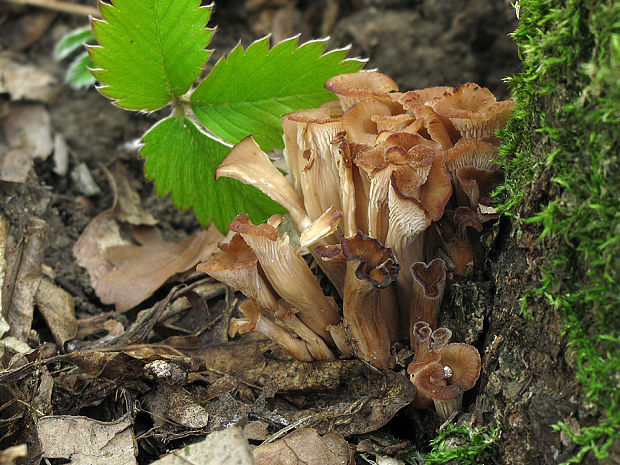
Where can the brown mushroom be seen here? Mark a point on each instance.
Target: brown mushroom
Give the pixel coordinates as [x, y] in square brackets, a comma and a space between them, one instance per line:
[236, 265]
[429, 282]
[256, 321]
[288, 273]
[473, 111]
[369, 308]
[353, 87]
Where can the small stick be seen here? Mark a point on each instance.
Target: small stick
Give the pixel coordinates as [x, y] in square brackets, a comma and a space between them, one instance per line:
[59, 5]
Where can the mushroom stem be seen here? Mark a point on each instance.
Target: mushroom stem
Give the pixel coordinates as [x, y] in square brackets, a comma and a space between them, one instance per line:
[366, 289]
[429, 283]
[289, 274]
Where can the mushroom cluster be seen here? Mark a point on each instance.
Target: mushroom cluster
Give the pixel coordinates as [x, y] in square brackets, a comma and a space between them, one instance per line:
[388, 191]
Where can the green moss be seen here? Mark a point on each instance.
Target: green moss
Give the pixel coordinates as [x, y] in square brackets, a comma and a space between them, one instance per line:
[567, 124]
[465, 444]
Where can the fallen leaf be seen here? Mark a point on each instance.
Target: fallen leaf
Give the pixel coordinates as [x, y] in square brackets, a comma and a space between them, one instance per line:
[26, 129]
[56, 306]
[177, 405]
[85, 441]
[129, 208]
[26, 30]
[90, 249]
[25, 81]
[8, 455]
[22, 276]
[226, 447]
[305, 446]
[142, 269]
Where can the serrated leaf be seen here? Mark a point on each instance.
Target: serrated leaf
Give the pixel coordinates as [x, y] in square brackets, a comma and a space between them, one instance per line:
[72, 41]
[248, 92]
[182, 160]
[150, 50]
[78, 73]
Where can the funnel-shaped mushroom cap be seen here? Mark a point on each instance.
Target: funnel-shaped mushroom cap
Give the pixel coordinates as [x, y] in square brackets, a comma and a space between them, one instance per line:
[377, 265]
[392, 123]
[358, 121]
[431, 277]
[440, 337]
[471, 152]
[432, 124]
[421, 344]
[352, 87]
[236, 265]
[288, 274]
[429, 282]
[423, 96]
[246, 162]
[430, 383]
[463, 218]
[473, 111]
[464, 363]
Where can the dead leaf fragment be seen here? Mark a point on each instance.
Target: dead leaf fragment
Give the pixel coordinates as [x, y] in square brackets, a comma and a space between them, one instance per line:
[142, 269]
[85, 441]
[26, 82]
[56, 306]
[90, 249]
[226, 447]
[27, 132]
[176, 404]
[21, 281]
[305, 446]
[8, 455]
[129, 207]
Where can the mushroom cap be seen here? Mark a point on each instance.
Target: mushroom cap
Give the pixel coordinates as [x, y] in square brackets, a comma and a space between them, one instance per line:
[464, 361]
[377, 265]
[431, 277]
[437, 189]
[430, 380]
[235, 254]
[423, 96]
[476, 183]
[471, 152]
[242, 224]
[361, 85]
[473, 110]
[358, 122]
[440, 337]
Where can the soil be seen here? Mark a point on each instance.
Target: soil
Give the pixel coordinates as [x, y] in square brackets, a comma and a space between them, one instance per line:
[527, 382]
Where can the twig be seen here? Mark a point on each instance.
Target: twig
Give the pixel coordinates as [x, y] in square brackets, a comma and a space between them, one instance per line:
[59, 5]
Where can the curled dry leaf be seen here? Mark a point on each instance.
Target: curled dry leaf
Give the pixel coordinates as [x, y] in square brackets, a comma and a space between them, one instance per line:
[26, 82]
[85, 441]
[128, 205]
[305, 446]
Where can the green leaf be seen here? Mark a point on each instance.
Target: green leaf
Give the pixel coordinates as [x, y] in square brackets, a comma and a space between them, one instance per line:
[78, 73]
[150, 50]
[73, 41]
[248, 92]
[182, 160]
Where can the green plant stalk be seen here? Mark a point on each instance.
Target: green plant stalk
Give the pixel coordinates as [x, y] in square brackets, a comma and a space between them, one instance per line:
[571, 67]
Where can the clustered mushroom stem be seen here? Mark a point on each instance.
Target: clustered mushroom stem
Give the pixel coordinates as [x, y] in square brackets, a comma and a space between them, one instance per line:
[380, 181]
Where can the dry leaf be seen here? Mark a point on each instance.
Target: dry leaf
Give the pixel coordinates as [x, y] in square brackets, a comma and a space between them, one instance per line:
[26, 82]
[85, 441]
[8, 455]
[90, 249]
[27, 132]
[177, 405]
[305, 446]
[144, 268]
[56, 306]
[26, 30]
[129, 207]
[21, 280]
[226, 447]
